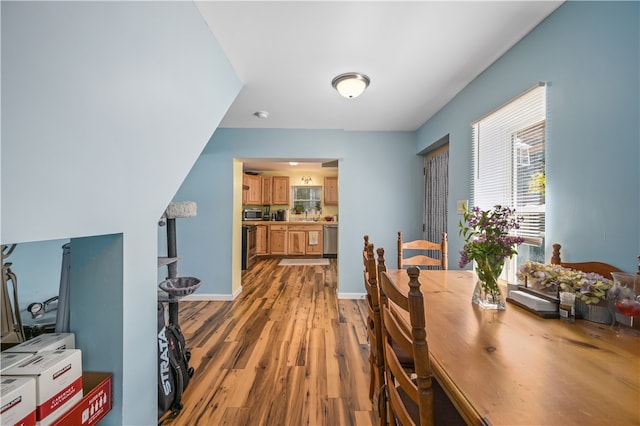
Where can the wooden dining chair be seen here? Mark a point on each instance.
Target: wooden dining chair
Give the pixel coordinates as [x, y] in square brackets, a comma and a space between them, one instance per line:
[415, 397]
[407, 253]
[600, 268]
[410, 400]
[374, 327]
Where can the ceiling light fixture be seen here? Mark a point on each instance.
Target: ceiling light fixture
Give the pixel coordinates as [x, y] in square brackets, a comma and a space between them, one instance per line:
[261, 114]
[351, 84]
[293, 163]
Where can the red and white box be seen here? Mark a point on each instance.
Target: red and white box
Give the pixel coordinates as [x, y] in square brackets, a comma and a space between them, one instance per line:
[45, 342]
[17, 401]
[9, 359]
[58, 376]
[96, 403]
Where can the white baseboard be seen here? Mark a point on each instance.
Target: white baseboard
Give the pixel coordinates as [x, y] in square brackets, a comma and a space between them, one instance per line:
[199, 297]
[352, 295]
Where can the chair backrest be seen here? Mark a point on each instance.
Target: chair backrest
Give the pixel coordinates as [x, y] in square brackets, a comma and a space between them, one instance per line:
[600, 268]
[374, 325]
[406, 259]
[404, 393]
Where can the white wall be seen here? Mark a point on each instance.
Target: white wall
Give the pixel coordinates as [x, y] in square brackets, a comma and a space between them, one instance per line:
[106, 106]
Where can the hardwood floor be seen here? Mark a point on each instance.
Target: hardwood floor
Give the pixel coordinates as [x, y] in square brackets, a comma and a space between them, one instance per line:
[285, 352]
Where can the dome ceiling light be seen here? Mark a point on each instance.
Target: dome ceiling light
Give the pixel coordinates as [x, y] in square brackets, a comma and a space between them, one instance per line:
[351, 84]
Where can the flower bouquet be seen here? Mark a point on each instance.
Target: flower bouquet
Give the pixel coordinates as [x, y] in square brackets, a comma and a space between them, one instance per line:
[489, 242]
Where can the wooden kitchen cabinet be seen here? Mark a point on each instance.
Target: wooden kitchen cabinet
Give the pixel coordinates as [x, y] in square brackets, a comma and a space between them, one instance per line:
[297, 242]
[252, 189]
[330, 190]
[267, 190]
[278, 239]
[262, 239]
[280, 190]
[314, 241]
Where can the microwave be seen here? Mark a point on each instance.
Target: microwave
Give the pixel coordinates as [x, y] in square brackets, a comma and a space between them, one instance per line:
[251, 214]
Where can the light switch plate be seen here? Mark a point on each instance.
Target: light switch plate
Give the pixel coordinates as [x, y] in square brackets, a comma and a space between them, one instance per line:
[461, 206]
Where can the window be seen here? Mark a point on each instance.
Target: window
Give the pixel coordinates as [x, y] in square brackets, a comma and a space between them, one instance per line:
[307, 199]
[509, 168]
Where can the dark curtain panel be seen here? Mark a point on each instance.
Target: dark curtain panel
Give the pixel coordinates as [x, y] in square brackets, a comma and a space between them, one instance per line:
[436, 195]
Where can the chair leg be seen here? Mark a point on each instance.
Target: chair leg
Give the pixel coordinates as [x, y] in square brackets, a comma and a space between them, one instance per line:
[382, 405]
[372, 375]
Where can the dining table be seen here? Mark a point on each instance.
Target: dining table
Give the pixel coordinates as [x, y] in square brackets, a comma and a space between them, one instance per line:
[512, 367]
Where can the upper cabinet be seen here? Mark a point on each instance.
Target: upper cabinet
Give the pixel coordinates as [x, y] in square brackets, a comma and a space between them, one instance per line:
[266, 189]
[331, 190]
[252, 189]
[280, 190]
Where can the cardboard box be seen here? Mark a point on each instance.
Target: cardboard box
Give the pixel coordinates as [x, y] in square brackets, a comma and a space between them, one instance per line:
[96, 403]
[58, 376]
[9, 359]
[17, 401]
[46, 342]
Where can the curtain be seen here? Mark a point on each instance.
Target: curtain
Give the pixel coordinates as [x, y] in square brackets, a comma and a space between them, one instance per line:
[436, 195]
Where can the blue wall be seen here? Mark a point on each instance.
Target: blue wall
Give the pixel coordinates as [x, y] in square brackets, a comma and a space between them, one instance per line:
[105, 108]
[589, 53]
[380, 191]
[78, 143]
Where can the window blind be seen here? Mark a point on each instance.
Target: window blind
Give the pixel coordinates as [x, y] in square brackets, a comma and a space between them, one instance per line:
[508, 168]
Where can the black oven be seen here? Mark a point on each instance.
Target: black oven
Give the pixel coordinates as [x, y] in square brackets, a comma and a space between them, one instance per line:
[248, 246]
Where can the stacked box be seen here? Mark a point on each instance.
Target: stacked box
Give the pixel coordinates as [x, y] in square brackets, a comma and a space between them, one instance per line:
[45, 342]
[95, 404]
[17, 401]
[58, 376]
[8, 359]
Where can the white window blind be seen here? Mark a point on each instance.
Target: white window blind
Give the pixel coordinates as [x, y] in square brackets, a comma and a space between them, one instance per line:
[509, 166]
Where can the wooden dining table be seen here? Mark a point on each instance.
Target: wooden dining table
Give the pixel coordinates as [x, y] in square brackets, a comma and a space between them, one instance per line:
[513, 367]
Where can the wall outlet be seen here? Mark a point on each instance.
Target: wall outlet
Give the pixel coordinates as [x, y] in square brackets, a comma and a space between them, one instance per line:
[461, 206]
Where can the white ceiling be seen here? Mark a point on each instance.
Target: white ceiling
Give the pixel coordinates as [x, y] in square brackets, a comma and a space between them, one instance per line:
[418, 54]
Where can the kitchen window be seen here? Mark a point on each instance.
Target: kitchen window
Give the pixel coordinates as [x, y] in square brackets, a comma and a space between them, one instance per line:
[307, 199]
[509, 169]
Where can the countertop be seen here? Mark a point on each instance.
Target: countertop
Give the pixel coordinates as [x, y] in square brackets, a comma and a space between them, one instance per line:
[284, 222]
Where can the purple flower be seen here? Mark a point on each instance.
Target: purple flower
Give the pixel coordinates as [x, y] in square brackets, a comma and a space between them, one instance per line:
[487, 234]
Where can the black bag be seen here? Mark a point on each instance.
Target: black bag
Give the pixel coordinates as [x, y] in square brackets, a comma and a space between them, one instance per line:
[173, 366]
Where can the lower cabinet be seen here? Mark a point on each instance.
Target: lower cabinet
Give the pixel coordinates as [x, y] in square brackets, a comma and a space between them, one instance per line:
[278, 239]
[293, 240]
[297, 242]
[314, 241]
[262, 239]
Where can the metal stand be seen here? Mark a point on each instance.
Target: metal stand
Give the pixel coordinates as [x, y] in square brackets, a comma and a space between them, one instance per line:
[12, 329]
[172, 268]
[62, 314]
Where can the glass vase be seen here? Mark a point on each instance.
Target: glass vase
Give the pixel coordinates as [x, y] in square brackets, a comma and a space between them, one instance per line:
[487, 293]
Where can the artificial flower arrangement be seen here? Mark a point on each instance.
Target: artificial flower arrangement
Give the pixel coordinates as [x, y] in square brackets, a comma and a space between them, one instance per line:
[589, 287]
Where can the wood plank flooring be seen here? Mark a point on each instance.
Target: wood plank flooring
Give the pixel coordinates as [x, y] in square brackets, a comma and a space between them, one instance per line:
[285, 352]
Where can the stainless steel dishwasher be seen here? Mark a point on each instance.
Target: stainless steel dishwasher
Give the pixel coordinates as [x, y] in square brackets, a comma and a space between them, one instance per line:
[330, 241]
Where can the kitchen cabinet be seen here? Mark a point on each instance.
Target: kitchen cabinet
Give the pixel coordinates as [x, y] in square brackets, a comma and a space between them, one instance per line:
[305, 239]
[313, 237]
[297, 242]
[262, 239]
[278, 239]
[252, 189]
[280, 190]
[331, 190]
[267, 190]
